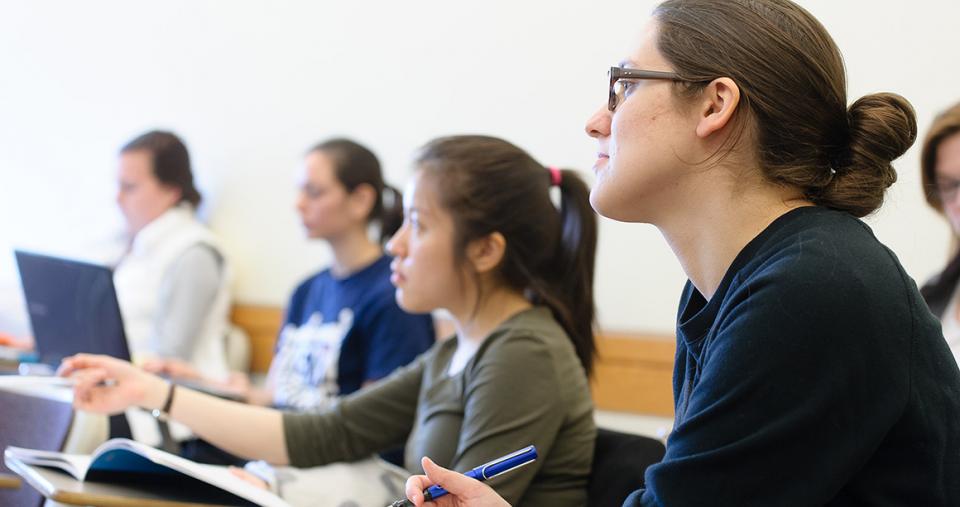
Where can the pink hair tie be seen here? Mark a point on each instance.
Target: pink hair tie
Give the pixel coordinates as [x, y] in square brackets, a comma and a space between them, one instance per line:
[555, 176]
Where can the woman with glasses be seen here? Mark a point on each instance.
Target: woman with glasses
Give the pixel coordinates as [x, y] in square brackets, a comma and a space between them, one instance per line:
[808, 369]
[940, 173]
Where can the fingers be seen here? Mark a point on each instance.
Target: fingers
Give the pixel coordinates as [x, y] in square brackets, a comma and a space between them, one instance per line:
[87, 383]
[89, 377]
[458, 485]
[439, 475]
[182, 369]
[79, 362]
[67, 366]
[435, 475]
[414, 488]
[153, 365]
[248, 477]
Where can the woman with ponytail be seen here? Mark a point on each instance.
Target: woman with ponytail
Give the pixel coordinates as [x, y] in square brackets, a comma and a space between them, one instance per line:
[342, 328]
[808, 369]
[482, 239]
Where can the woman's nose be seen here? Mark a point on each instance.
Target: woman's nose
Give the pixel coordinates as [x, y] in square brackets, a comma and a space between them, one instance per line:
[598, 125]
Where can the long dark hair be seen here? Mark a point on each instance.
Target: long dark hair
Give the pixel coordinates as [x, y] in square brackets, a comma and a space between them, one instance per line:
[171, 162]
[489, 185]
[355, 165]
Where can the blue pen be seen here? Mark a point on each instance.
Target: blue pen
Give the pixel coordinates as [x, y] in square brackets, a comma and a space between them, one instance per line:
[481, 473]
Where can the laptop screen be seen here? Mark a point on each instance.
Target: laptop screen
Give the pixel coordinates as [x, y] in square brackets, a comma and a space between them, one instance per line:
[72, 306]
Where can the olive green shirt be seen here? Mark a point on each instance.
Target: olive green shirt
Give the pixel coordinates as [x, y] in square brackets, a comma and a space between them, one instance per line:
[525, 385]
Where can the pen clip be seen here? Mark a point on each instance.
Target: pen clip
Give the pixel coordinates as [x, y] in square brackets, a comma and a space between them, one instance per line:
[525, 450]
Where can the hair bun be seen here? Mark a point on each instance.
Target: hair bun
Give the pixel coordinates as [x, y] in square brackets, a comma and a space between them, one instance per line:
[883, 126]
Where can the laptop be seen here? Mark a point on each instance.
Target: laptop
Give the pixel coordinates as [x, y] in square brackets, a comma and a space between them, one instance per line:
[72, 307]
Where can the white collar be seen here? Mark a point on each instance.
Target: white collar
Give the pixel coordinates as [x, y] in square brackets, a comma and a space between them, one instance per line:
[155, 231]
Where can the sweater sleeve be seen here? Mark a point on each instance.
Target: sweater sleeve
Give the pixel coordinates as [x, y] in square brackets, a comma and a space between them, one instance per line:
[513, 399]
[187, 296]
[356, 426]
[792, 372]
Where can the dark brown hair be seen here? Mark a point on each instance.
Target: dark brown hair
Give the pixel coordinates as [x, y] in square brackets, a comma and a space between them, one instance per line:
[490, 185]
[793, 97]
[944, 126]
[171, 162]
[355, 165]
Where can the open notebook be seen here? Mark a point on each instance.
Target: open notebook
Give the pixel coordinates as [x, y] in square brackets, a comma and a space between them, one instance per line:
[126, 461]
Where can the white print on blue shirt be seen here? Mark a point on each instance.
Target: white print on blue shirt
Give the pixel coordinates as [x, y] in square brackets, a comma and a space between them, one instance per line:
[303, 374]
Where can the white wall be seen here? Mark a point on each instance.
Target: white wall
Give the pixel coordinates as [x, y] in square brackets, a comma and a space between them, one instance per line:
[251, 84]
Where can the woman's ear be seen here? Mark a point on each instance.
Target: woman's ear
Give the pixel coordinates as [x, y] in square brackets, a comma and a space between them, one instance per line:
[362, 199]
[717, 104]
[485, 253]
[171, 194]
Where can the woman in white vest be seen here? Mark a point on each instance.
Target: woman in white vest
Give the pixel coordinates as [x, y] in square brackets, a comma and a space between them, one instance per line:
[172, 283]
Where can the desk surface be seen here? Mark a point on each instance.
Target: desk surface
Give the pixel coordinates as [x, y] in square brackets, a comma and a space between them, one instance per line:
[63, 488]
[8, 481]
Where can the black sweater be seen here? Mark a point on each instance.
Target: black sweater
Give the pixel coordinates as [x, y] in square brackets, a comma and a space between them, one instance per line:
[814, 376]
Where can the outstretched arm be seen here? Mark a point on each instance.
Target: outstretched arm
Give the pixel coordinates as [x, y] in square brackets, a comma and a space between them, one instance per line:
[109, 386]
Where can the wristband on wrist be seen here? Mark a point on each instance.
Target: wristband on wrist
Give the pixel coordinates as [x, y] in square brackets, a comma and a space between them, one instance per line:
[165, 411]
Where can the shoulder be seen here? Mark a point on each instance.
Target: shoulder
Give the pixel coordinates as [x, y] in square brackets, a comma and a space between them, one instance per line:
[303, 289]
[192, 230]
[829, 252]
[531, 351]
[202, 255]
[532, 334]
[318, 278]
[376, 293]
[375, 278]
[827, 281]
[197, 264]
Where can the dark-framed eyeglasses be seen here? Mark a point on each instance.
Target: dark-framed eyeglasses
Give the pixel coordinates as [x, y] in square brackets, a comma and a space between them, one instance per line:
[945, 189]
[618, 87]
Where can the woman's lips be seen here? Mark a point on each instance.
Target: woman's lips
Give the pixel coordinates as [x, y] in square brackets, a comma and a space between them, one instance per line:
[601, 161]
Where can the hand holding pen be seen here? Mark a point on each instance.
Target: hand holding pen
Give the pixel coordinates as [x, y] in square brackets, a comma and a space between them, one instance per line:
[463, 489]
